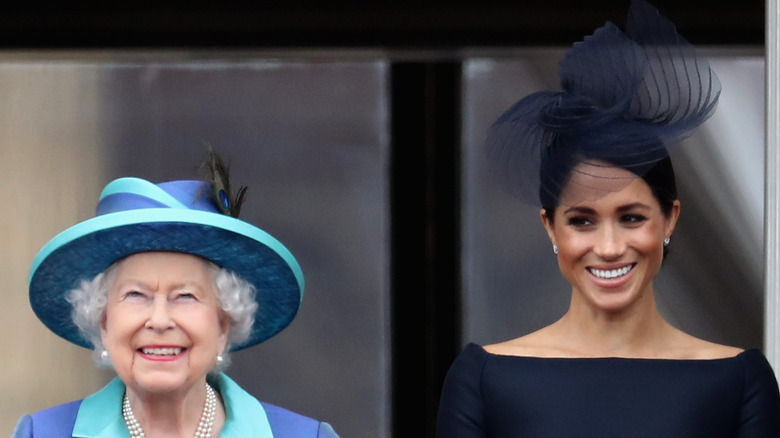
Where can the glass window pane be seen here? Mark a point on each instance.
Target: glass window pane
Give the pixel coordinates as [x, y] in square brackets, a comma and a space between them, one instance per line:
[307, 136]
[712, 283]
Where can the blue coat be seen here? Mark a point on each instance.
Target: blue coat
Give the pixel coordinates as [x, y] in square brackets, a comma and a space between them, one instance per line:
[100, 416]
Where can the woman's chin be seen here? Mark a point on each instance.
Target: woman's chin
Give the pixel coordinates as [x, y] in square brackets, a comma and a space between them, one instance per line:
[161, 382]
[613, 301]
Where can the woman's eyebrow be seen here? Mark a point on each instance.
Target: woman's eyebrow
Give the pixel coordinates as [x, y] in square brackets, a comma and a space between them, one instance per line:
[633, 206]
[579, 209]
[622, 208]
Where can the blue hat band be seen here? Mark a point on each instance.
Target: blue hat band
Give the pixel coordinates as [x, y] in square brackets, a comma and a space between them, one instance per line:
[132, 194]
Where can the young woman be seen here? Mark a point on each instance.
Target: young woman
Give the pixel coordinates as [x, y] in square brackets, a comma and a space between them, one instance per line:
[595, 158]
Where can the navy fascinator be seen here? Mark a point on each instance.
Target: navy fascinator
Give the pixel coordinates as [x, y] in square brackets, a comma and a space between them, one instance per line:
[626, 98]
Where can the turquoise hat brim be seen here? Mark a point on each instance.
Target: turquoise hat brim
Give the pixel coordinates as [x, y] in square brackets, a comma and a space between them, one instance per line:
[88, 248]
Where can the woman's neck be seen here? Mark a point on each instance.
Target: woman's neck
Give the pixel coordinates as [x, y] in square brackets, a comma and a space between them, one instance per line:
[172, 414]
[638, 330]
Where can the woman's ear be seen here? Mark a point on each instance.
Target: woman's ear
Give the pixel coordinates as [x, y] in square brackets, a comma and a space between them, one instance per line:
[103, 331]
[224, 332]
[548, 225]
[103, 326]
[671, 221]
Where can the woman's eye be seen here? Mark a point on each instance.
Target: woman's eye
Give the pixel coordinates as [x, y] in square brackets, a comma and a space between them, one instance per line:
[186, 296]
[633, 218]
[134, 295]
[579, 221]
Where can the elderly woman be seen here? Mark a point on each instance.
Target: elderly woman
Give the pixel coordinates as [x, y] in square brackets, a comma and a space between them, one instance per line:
[162, 285]
[594, 158]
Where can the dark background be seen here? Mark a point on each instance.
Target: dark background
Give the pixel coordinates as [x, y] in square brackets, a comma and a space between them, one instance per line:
[423, 40]
[391, 24]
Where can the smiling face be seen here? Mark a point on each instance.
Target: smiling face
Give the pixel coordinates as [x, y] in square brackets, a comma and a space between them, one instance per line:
[163, 327]
[610, 248]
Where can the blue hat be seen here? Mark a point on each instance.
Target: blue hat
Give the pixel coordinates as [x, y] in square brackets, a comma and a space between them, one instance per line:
[135, 215]
[626, 98]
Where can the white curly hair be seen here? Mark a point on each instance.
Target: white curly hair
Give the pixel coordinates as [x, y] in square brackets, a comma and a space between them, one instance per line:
[235, 295]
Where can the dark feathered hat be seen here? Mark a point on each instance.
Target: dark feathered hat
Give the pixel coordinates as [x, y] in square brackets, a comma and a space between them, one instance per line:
[625, 99]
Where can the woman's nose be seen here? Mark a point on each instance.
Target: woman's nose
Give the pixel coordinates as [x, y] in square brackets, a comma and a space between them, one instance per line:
[609, 244]
[160, 317]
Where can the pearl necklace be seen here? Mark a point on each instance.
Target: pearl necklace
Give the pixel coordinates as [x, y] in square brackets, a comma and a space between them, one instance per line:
[204, 426]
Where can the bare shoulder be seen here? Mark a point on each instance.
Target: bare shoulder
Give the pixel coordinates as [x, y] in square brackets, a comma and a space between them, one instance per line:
[691, 347]
[514, 347]
[536, 344]
[719, 351]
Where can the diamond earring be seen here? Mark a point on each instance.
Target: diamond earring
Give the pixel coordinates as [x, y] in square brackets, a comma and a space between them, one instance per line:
[555, 249]
[667, 240]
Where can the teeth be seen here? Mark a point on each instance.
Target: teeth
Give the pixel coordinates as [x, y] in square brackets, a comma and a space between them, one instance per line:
[161, 351]
[611, 273]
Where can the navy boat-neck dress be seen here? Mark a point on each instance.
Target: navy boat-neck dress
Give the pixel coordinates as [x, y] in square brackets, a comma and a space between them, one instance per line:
[487, 395]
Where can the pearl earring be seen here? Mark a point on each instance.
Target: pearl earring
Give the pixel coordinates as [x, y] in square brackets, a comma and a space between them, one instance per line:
[220, 359]
[555, 249]
[667, 240]
[104, 354]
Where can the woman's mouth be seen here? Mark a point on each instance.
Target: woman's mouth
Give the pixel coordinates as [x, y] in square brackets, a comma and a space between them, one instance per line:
[611, 274]
[161, 351]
